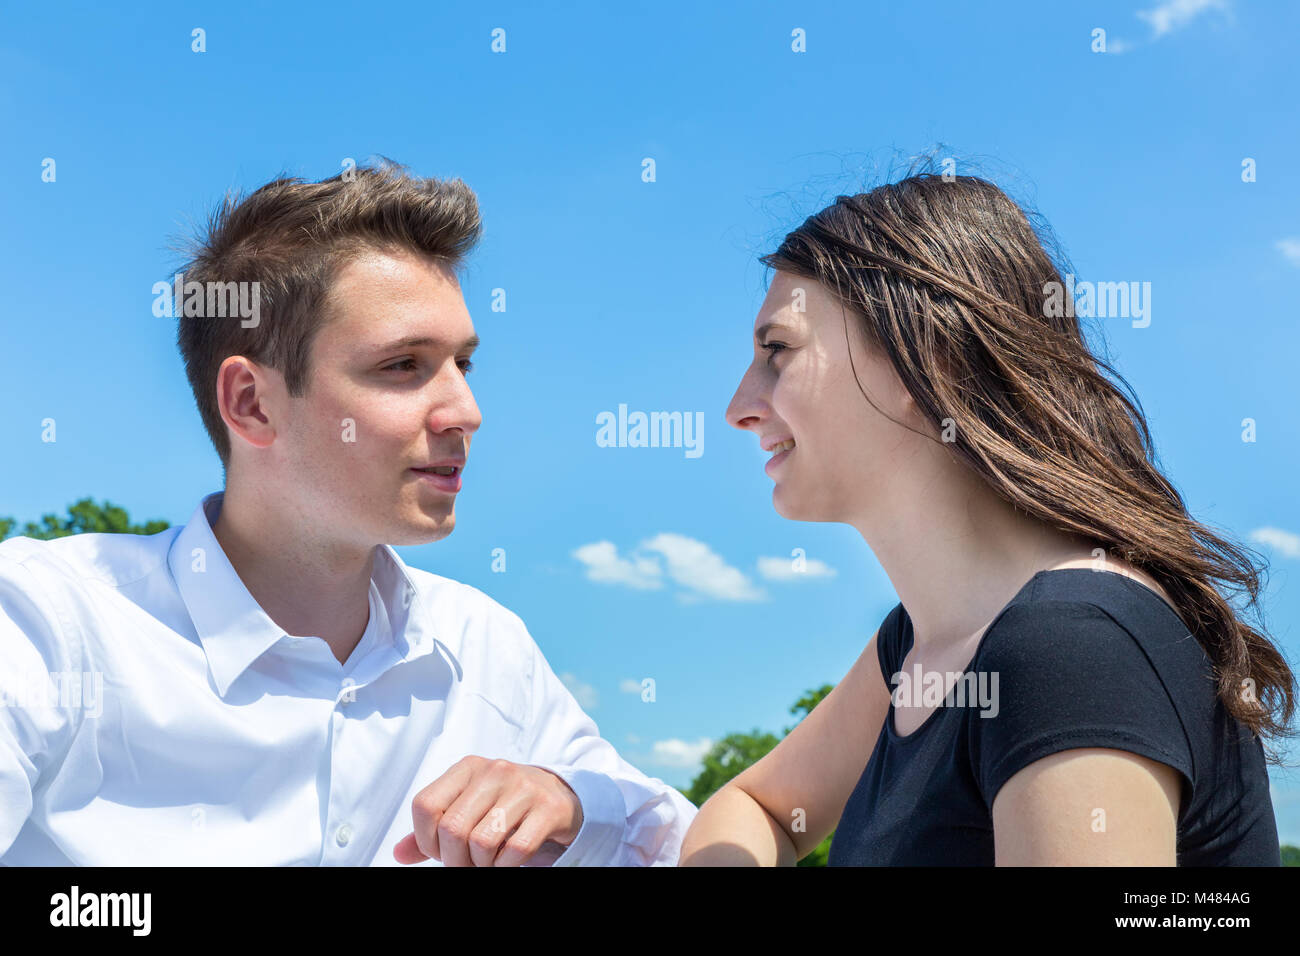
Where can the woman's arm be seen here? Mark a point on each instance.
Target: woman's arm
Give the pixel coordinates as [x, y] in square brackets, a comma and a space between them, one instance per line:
[775, 812]
[733, 829]
[1090, 806]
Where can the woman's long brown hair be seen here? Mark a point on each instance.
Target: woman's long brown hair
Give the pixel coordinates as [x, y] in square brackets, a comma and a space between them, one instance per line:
[949, 280]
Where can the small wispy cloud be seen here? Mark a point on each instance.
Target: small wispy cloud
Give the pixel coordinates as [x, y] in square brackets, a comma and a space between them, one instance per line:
[695, 566]
[629, 685]
[698, 571]
[584, 694]
[1173, 15]
[1291, 249]
[792, 569]
[1284, 542]
[679, 753]
[604, 565]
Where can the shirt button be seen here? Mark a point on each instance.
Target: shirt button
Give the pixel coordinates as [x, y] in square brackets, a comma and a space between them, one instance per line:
[342, 835]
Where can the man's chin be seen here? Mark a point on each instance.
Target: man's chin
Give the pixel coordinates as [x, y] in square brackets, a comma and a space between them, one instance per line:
[425, 532]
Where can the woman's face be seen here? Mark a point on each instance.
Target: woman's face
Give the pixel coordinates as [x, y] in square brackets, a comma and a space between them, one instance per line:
[800, 388]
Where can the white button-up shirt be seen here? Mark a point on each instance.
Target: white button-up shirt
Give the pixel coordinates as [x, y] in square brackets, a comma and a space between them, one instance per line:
[151, 713]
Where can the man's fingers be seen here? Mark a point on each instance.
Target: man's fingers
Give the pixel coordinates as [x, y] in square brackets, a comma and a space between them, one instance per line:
[486, 839]
[430, 803]
[462, 817]
[523, 844]
[408, 851]
[490, 813]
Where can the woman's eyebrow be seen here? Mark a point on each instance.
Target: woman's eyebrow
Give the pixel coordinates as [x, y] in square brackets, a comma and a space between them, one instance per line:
[766, 327]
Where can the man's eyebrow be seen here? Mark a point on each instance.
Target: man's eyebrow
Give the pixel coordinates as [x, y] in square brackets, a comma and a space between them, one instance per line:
[414, 341]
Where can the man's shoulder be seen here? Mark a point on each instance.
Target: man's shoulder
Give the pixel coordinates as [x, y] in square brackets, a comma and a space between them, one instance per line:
[485, 637]
[78, 560]
[454, 602]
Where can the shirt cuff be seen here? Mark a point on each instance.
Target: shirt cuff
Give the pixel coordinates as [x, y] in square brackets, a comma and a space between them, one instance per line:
[604, 818]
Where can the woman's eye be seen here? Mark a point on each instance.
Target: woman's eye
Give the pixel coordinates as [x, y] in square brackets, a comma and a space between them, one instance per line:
[772, 348]
[466, 366]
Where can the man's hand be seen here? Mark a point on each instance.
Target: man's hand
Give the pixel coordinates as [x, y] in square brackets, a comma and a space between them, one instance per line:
[490, 813]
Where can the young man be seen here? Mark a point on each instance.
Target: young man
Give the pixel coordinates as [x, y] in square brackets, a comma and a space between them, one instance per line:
[271, 684]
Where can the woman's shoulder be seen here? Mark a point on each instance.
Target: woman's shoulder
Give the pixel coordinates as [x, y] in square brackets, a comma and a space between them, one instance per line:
[1097, 643]
[1101, 637]
[1085, 603]
[1089, 659]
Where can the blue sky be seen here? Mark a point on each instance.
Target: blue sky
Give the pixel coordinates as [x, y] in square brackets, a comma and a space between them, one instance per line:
[621, 291]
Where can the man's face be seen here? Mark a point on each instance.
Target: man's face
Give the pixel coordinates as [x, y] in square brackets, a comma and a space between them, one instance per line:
[386, 394]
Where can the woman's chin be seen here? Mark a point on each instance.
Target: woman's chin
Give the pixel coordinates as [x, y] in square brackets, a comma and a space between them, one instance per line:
[785, 506]
[793, 508]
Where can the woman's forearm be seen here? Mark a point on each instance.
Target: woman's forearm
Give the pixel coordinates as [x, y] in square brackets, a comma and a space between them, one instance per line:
[733, 829]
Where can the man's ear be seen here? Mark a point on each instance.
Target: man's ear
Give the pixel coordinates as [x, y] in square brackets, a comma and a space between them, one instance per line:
[245, 399]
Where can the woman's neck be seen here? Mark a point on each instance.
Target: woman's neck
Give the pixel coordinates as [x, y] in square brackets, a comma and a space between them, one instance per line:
[957, 553]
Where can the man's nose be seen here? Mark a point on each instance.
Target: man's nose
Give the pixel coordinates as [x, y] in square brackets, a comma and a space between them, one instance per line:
[460, 410]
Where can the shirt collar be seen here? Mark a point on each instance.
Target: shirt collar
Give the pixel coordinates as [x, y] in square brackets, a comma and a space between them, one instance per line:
[232, 626]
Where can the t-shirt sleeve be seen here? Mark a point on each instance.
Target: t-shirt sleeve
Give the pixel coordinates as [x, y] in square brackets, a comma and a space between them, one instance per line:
[1062, 675]
[888, 644]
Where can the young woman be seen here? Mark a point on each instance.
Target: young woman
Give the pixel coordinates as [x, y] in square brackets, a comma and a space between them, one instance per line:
[1063, 681]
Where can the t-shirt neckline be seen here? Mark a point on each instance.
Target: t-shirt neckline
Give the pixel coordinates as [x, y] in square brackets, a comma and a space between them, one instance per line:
[898, 738]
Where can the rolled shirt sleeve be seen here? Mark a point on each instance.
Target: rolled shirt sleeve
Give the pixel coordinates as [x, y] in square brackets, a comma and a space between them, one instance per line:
[629, 819]
[36, 721]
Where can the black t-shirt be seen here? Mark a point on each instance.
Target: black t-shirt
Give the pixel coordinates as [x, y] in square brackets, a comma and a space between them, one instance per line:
[1082, 658]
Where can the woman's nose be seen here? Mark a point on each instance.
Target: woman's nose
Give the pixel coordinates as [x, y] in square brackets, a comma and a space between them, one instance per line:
[747, 405]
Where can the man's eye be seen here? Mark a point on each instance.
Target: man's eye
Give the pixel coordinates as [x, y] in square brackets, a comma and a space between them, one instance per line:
[406, 365]
[772, 347]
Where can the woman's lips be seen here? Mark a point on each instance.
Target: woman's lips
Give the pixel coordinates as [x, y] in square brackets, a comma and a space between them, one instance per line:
[775, 461]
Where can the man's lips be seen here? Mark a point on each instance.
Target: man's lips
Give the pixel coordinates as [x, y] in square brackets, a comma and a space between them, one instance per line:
[457, 463]
[442, 475]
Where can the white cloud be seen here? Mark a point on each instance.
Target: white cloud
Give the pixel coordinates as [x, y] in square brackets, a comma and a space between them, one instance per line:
[604, 564]
[679, 753]
[1291, 249]
[692, 565]
[1175, 14]
[696, 567]
[630, 685]
[783, 569]
[584, 694]
[1283, 541]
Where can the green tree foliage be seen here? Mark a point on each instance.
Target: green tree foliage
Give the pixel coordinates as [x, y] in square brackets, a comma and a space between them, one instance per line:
[726, 759]
[734, 752]
[83, 517]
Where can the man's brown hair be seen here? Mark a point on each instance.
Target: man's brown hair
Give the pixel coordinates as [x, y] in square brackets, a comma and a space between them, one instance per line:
[292, 237]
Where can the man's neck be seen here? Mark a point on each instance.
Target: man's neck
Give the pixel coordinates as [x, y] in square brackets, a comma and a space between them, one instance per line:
[309, 587]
